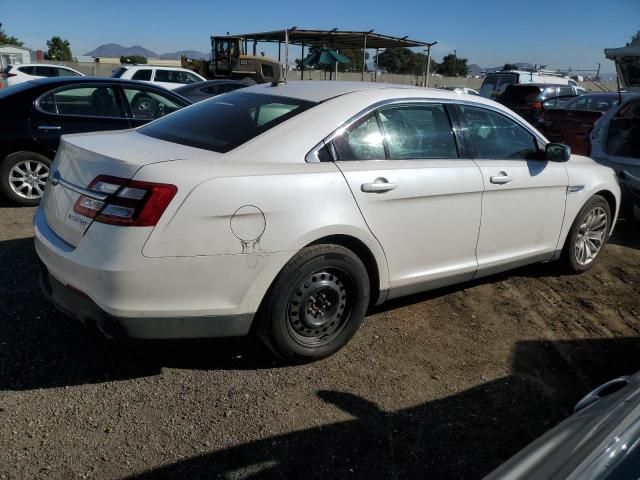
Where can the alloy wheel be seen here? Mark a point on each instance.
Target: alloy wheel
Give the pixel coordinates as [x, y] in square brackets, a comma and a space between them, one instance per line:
[28, 178]
[591, 235]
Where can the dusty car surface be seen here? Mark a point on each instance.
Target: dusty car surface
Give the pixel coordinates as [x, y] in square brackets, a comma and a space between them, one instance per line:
[289, 209]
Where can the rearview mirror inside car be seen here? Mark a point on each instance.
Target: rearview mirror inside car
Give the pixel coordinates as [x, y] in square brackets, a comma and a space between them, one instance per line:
[557, 152]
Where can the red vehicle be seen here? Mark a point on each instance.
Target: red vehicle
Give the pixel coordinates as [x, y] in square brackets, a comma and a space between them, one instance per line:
[573, 123]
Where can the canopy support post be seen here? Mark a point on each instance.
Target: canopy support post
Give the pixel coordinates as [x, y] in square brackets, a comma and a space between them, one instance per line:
[286, 53]
[302, 64]
[375, 72]
[364, 56]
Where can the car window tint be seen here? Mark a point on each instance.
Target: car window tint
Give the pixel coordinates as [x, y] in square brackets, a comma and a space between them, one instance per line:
[362, 141]
[565, 91]
[175, 76]
[65, 72]
[418, 131]
[211, 90]
[226, 122]
[623, 138]
[495, 136]
[83, 101]
[148, 104]
[118, 72]
[46, 72]
[144, 75]
[27, 70]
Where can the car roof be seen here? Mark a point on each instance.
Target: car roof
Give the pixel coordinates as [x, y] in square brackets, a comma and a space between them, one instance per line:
[319, 91]
[61, 81]
[40, 65]
[160, 67]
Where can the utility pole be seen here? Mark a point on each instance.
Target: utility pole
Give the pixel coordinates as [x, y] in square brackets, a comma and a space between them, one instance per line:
[428, 50]
[455, 60]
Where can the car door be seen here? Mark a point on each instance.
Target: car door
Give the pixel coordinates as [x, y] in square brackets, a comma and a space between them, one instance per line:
[418, 192]
[76, 109]
[144, 104]
[524, 199]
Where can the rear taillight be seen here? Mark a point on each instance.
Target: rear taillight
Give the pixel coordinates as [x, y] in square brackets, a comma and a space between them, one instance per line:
[129, 203]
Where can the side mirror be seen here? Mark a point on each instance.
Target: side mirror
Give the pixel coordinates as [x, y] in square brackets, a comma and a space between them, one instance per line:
[557, 152]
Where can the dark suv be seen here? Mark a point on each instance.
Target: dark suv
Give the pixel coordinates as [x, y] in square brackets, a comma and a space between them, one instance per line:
[527, 99]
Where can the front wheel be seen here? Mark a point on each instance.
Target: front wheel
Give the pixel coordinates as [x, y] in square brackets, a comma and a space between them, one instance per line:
[588, 235]
[316, 304]
[23, 176]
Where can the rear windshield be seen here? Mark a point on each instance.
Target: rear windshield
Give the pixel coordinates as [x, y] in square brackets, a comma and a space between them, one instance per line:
[225, 122]
[117, 73]
[520, 94]
[495, 83]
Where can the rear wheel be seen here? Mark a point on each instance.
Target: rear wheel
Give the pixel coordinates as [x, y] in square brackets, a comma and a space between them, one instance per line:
[316, 304]
[23, 176]
[588, 235]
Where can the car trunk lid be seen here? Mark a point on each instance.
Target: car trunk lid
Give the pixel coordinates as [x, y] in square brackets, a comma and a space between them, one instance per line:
[82, 158]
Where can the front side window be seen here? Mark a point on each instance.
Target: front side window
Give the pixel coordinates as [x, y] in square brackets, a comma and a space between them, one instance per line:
[118, 72]
[224, 123]
[362, 141]
[495, 136]
[83, 101]
[623, 139]
[149, 105]
[65, 72]
[142, 75]
[418, 131]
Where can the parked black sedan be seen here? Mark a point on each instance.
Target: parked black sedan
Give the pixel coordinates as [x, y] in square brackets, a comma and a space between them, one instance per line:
[33, 116]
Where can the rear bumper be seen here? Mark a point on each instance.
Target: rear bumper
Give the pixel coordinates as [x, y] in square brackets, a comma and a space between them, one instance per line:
[80, 307]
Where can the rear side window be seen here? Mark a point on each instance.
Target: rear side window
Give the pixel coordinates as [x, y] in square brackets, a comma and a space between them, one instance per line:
[418, 131]
[83, 101]
[46, 72]
[496, 136]
[224, 123]
[175, 76]
[142, 75]
[566, 91]
[27, 70]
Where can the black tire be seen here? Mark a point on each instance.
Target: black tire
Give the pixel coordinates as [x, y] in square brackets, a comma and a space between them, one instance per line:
[315, 305]
[249, 81]
[29, 194]
[570, 254]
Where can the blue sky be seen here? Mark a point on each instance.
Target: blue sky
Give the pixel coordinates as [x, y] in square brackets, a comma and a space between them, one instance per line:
[559, 33]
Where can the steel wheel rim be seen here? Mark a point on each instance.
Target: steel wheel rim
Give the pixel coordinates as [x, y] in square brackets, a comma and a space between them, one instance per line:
[319, 307]
[591, 235]
[28, 178]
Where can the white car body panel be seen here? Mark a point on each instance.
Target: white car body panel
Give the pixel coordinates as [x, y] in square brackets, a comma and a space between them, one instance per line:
[21, 77]
[132, 69]
[239, 217]
[520, 219]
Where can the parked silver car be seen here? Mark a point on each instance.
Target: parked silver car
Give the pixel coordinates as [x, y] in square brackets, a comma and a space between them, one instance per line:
[601, 440]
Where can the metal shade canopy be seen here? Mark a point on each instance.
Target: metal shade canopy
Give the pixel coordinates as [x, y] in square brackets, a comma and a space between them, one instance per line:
[325, 56]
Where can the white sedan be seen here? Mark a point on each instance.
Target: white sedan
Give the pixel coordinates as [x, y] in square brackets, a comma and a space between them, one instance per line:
[16, 74]
[287, 210]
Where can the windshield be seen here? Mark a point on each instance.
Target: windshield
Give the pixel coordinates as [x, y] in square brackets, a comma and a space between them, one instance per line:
[117, 73]
[630, 71]
[495, 83]
[227, 121]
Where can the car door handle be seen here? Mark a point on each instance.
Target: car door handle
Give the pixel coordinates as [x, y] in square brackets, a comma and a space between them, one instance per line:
[379, 185]
[49, 127]
[502, 178]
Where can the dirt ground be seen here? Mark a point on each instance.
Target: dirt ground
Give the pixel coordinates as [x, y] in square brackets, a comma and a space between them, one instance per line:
[443, 385]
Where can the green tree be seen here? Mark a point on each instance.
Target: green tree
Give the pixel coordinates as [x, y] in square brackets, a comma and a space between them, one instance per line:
[404, 61]
[355, 57]
[134, 59]
[510, 66]
[452, 65]
[59, 49]
[9, 40]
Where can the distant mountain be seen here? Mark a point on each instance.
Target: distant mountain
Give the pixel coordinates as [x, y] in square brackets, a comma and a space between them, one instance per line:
[474, 69]
[115, 50]
[520, 65]
[189, 53]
